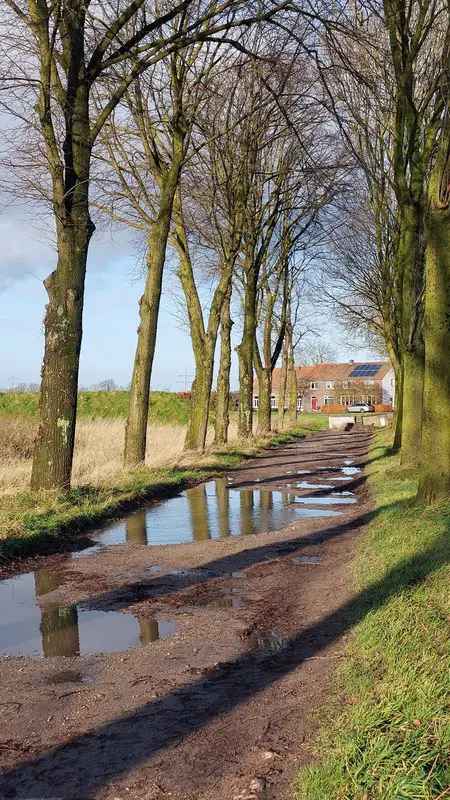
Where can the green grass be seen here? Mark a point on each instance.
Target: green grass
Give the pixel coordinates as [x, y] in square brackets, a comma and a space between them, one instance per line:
[386, 733]
[165, 407]
[46, 521]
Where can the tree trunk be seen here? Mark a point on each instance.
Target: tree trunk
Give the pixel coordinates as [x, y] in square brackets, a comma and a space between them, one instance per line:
[398, 409]
[53, 454]
[283, 387]
[200, 397]
[412, 407]
[264, 400]
[203, 339]
[434, 484]
[292, 382]
[245, 354]
[223, 378]
[136, 427]
[410, 256]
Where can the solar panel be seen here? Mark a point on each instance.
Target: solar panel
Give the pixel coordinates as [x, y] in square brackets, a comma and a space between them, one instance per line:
[365, 370]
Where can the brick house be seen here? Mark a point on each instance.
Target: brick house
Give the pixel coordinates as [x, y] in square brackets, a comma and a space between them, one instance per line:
[320, 385]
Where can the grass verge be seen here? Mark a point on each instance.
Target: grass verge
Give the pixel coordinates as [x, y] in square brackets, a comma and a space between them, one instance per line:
[41, 522]
[386, 735]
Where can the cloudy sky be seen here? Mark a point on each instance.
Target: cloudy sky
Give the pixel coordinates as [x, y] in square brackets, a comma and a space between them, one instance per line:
[113, 286]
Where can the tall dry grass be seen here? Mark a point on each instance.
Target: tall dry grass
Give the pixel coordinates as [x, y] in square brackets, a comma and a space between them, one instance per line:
[98, 449]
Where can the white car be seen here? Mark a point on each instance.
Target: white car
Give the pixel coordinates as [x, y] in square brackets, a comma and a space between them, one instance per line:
[360, 407]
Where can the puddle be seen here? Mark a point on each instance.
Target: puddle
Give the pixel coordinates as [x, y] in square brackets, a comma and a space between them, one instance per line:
[306, 560]
[68, 676]
[329, 500]
[306, 485]
[27, 629]
[213, 510]
[226, 598]
[316, 512]
[350, 470]
[267, 643]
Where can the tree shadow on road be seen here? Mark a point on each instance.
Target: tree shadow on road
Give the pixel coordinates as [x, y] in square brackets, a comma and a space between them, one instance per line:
[114, 748]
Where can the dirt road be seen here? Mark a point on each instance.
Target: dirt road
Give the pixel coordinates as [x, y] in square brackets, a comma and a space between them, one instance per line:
[250, 630]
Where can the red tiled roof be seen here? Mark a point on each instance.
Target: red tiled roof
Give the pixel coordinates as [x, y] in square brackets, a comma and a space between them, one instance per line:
[331, 372]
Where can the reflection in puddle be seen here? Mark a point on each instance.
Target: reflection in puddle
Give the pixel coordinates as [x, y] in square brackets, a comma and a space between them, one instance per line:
[56, 630]
[306, 485]
[350, 470]
[329, 500]
[306, 560]
[213, 510]
[267, 643]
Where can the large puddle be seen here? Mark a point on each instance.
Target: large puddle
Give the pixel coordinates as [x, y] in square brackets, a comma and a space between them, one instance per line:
[212, 510]
[34, 625]
[29, 629]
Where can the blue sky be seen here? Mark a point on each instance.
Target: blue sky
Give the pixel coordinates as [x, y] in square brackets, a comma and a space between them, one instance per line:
[113, 287]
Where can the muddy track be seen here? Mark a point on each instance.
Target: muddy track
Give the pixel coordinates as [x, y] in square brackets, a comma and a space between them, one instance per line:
[255, 625]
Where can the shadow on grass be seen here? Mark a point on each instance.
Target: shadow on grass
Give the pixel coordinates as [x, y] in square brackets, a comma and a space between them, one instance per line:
[89, 761]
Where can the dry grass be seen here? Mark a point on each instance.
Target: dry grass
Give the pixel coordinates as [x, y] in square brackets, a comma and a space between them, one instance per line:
[98, 450]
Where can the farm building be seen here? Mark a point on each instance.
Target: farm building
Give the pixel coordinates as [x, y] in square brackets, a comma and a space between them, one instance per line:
[322, 385]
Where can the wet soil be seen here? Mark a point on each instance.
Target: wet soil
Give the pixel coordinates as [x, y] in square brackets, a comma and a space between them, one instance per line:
[235, 640]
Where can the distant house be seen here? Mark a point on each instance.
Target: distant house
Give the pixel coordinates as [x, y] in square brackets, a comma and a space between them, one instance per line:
[321, 385]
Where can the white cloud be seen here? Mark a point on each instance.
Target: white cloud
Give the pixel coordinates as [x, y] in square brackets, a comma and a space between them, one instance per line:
[28, 249]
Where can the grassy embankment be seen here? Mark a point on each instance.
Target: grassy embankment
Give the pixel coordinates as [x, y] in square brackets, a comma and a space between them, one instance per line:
[31, 523]
[386, 734]
[164, 406]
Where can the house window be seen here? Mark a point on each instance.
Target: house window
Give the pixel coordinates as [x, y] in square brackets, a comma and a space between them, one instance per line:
[345, 384]
[256, 402]
[299, 402]
[330, 385]
[313, 385]
[328, 401]
[273, 403]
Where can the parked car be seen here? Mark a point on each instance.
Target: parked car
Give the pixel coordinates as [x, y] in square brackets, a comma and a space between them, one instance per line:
[360, 407]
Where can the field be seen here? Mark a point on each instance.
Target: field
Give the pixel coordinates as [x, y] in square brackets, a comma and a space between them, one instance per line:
[166, 407]
[100, 435]
[392, 740]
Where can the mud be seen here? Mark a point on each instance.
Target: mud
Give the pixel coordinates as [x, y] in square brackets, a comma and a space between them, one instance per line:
[253, 627]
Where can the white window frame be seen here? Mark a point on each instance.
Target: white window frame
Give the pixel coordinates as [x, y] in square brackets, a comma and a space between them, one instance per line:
[313, 385]
[273, 402]
[330, 385]
[255, 402]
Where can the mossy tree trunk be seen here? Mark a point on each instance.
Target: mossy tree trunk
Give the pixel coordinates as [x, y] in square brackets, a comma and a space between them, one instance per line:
[223, 379]
[53, 454]
[410, 256]
[136, 427]
[434, 483]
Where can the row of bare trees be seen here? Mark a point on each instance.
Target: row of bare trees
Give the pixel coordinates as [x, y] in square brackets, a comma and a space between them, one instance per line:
[243, 141]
